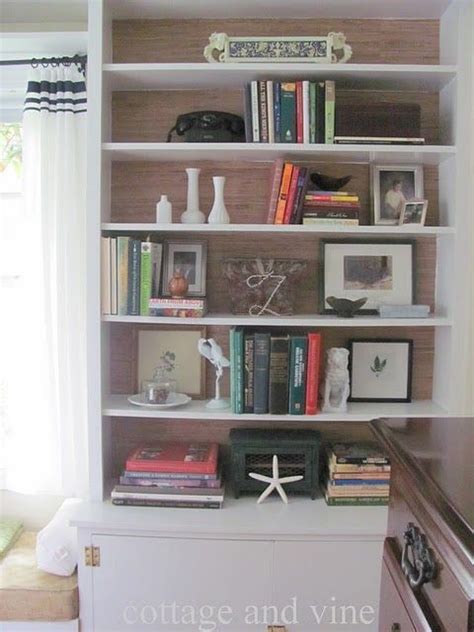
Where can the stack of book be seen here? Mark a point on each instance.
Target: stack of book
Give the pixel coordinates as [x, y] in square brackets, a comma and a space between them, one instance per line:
[131, 275]
[331, 208]
[290, 112]
[274, 373]
[356, 474]
[172, 475]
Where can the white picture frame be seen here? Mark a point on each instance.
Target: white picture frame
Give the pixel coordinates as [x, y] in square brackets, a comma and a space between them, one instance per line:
[392, 186]
[381, 271]
[414, 213]
[191, 258]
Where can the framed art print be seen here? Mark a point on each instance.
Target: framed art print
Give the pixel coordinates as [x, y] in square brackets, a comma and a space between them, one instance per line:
[392, 186]
[380, 370]
[191, 260]
[177, 350]
[381, 271]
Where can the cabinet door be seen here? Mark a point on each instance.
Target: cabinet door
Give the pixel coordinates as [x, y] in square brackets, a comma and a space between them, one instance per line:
[334, 586]
[178, 584]
[393, 615]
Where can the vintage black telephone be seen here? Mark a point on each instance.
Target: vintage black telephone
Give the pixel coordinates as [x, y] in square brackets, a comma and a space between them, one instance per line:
[209, 127]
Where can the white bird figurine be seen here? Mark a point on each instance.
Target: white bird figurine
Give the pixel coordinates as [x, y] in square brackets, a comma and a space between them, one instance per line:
[210, 350]
[274, 482]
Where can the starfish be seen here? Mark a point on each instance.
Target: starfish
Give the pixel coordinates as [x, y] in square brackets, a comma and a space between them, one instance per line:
[274, 482]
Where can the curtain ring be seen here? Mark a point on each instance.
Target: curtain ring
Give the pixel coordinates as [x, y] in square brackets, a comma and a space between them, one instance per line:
[34, 63]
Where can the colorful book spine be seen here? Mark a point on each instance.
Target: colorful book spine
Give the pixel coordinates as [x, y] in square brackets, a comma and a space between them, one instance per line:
[122, 274]
[283, 194]
[113, 275]
[275, 184]
[278, 380]
[171, 476]
[255, 112]
[261, 372]
[359, 482]
[248, 114]
[239, 377]
[277, 110]
[299, 202]
[306, 106]
[146, 272]
[166, 484]
[147, 502]
[263, 112]
[312, 377]
[288, 112]
[134, 277]
[270, 112]
[290, 203]
[299, 111]
[329, 221]
[320, 112]
[356, 501]
[297, 375]
[330, 112]
[177, 312]
[249, 343]
[106, 293]
[351, 468]
[312, 112]
[233, 370]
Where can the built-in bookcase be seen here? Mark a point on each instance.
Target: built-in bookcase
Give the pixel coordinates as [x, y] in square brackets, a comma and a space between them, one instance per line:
[146, 67]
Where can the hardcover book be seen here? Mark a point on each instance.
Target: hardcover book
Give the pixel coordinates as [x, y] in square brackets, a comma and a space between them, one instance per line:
[297, 375]
[122, 275]
[275, 183]
[290, 203]
[198, 458]
[299, 111]
[255, 112]
[270, 112]
[150, 265]
[248, 373]
[113, 276]
[105, 275]
[263, 111]
[134, 251]
[330, 109]
[283, 194]
[277, 110]
[312, 378]
[320, 112]
[357, 454]
[278, 383]
[288, 112]
[261, 372]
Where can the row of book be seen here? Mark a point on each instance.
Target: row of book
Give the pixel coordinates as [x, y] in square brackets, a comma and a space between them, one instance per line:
[274, 373]
[290, 111]
[169, 474]
[356, 474]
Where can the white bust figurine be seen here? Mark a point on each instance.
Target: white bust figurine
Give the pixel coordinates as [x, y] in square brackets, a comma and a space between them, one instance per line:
[336, 384]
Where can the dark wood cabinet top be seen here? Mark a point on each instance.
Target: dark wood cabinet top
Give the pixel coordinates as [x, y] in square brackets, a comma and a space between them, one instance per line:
[439, 454]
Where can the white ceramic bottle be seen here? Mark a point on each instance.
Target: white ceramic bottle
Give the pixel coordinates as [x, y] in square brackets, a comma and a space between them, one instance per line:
[218, 214]
[164, 211]
[192, 214]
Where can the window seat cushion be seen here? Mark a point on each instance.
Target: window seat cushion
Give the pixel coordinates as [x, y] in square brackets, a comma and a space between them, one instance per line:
[29, 594]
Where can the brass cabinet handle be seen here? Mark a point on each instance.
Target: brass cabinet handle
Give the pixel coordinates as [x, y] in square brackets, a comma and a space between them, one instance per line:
[418, 563]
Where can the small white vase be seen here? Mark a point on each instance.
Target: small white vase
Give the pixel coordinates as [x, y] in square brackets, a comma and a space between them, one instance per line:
[164, 211]
[192, 214]
[218, 214]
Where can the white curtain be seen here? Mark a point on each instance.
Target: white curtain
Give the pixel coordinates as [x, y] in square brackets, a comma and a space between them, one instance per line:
[46, 449]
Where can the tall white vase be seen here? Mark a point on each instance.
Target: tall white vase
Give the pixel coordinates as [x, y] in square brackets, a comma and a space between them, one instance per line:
[218, 214]
[192, 214]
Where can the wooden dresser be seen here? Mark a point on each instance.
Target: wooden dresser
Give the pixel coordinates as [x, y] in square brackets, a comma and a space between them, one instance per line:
[427, 574]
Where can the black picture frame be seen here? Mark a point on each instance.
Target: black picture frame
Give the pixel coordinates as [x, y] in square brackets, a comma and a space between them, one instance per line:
[321, 285]
[387, 400]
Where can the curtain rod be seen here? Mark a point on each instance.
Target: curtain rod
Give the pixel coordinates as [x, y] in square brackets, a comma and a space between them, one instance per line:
[80, 60]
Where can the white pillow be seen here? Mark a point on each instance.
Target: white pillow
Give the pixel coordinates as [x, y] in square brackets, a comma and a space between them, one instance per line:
[56, 544]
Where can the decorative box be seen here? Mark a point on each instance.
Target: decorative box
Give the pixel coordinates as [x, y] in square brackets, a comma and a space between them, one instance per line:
[263, 287]
[252, 450]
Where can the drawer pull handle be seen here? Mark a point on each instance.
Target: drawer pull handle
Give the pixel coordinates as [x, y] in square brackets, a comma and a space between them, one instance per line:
[421, 568]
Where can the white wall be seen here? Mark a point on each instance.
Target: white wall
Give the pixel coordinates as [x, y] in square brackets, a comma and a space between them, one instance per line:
[34, 511]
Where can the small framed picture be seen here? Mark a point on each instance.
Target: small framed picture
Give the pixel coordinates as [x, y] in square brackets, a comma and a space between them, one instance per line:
[191, 260]
[392, 186]
[380, 370]
[414, 213]
[175, 351]
[381, 271]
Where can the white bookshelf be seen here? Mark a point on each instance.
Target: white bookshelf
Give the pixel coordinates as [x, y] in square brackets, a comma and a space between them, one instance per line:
[450, 79]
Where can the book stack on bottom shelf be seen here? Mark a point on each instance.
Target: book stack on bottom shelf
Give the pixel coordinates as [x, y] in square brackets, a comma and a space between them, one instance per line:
[172, 475]
[356, 474]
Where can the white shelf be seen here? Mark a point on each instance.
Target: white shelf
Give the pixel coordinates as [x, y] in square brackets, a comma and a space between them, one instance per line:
[118, 406]
[316, 321]
[241, 519]
[181, 76]
[173, 152]
[395, 231]
[188, 9]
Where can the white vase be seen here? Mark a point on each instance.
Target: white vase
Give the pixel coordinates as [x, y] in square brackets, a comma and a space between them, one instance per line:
[192, 214]
[218, 214]
[164, 211]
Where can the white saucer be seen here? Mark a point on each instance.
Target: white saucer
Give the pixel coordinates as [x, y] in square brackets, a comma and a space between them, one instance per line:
[175, 399]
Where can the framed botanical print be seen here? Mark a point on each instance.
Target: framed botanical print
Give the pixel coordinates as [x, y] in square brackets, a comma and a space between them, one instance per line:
[392, 186]
[191, 260]
[381, 271]
[176, 352]
[380, 370]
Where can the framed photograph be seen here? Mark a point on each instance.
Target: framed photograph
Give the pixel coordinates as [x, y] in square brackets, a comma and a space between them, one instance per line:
[380, 370]
[177, 349]
[381, 271]
[392, 186]
[414, 213]
[191, 260]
